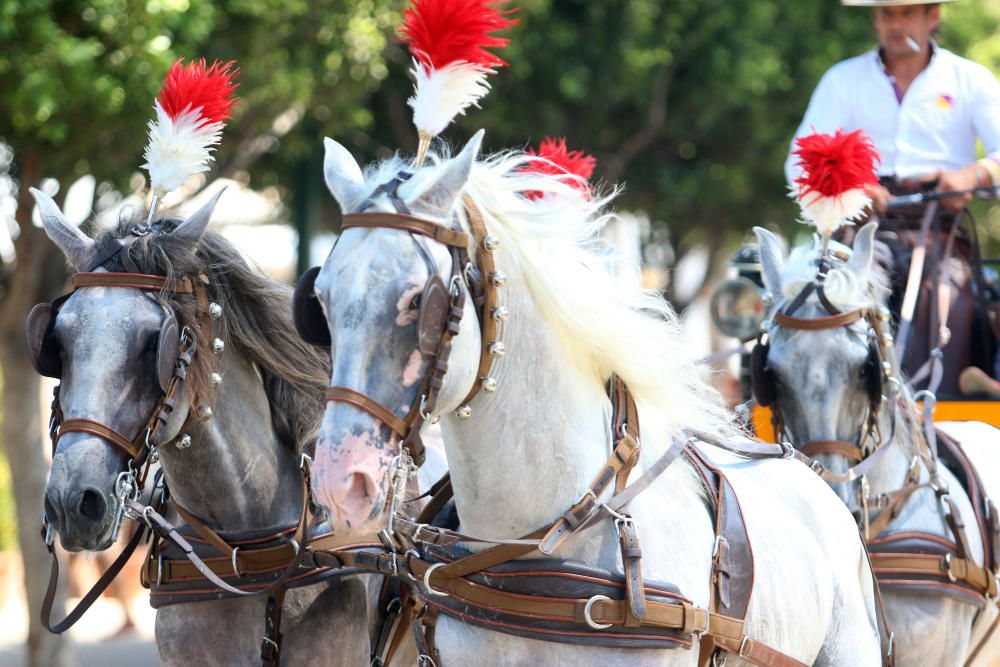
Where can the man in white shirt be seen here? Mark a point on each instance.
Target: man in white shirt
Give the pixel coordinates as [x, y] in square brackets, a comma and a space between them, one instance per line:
[925, 108]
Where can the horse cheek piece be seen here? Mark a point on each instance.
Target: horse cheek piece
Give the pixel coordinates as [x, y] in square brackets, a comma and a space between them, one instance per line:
[47, 359]
[307, 312]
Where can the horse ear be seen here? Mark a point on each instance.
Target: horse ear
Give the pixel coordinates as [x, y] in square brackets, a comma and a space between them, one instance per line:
[453, 175]
[192, 228]
[343, 175]
[860, 262]
[771, 259]
[77, 246]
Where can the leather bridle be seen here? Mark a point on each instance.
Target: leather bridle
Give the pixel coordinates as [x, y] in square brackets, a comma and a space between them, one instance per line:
[448, 303]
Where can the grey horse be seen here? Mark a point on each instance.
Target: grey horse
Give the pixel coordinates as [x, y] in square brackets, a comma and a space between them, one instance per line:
[247, 426]
[819, 384]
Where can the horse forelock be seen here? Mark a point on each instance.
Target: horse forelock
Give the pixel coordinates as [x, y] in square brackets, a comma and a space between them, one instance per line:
[256, 322]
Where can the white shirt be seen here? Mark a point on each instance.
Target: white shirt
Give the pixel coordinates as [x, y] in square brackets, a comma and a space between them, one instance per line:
[950, 104]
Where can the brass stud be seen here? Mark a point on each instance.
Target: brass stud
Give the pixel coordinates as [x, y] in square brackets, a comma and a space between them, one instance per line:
[214, 311]
[218, 346]
[501, 314]
[498, 278]
[183, 442]
[205, 412]
[216, 379]
[491, 242]
[463, 412]
[489, 385]
[498, 349]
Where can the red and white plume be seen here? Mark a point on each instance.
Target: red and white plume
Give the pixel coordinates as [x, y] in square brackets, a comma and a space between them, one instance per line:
[835, 170]
[448, 40]
[194, 103]
[554, 158]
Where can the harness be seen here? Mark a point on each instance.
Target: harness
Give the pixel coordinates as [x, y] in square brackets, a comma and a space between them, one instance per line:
[902, 561]
[544, 598]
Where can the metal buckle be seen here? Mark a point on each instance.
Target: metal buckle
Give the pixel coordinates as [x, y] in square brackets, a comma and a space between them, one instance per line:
[587, 613]
[236, 568]
[159, 569]
[427, 581]
[719, 539]
[947, 563]
[267, 640]
[424, 660]
[787, 451]
[305, 462]
[743, 645]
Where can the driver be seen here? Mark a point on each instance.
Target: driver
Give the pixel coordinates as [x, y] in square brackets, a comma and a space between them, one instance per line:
[925, 108]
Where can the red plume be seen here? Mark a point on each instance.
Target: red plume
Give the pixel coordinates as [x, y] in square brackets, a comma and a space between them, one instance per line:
[196, 86]
[832, 164]
[441, 32]
[558, 159]
[835, 170]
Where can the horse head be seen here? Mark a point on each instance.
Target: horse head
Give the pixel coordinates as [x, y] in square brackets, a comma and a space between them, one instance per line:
[114, 349]
[818, 364]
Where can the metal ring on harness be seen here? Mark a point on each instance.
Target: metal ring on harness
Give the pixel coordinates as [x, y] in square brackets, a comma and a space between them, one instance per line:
[947, 569]
[427, 581]
[586, 613]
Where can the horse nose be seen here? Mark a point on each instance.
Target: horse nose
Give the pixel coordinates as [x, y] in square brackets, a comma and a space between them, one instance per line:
[53, 510]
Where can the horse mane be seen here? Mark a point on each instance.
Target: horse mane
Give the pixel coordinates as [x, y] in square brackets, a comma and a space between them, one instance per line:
[256, 322]
[605, 326]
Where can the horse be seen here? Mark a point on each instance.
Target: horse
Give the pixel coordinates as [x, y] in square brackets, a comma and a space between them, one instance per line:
[528, 444]
[839, 395]
[231, 446]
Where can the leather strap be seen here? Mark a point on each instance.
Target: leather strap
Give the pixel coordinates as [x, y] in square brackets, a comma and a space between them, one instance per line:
[947, 567]
[369, 405]
[818, 323]
[836, 447]
[408, 223]
[134, 280]
[78, 425]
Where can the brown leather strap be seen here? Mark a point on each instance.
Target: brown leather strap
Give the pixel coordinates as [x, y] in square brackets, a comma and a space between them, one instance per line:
[487, 320]
[818, 323]
[836, 447]
[91, 596]
[950, 568]
[78, 425]
[408, 223]
[635, 596]
[372, 407]
[270, 645]
[134, 280]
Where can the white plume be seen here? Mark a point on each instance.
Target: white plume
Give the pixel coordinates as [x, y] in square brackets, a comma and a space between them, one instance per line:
[179, 147]
[442, 94]
[828, 214]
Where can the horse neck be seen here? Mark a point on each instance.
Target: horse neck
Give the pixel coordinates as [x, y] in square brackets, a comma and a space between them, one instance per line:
[236, 475]
[530, 449]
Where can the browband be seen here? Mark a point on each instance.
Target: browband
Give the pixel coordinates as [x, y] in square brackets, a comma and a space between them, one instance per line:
[408, 223]
[135, 280]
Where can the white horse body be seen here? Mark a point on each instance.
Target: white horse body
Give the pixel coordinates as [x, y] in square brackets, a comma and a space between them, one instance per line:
[824, 401]
[530, 449]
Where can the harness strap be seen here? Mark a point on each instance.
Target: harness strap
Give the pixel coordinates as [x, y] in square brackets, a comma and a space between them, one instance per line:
[270, 645]
[135, 280]
[818, 323]
[946, 567]
[409, 223]
[837, 447]
[81, 425]
[369, 405]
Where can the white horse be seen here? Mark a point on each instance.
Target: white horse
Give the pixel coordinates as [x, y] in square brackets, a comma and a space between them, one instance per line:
[531, 447]
[819, 387]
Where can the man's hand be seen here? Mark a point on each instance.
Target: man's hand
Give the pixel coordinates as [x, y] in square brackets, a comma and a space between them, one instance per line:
[965, 178]
[879, 196]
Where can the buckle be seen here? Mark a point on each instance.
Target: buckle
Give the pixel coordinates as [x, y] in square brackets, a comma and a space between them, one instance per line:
[587, 610]
[744, 643]
[719, 539]
[427, 581]
[787, 451]
[947, 568]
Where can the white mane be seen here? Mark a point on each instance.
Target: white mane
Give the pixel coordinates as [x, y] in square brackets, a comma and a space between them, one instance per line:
[551, 244]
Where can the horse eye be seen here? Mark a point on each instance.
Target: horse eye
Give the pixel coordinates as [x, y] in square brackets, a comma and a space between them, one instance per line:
[415, 302]
[152, 344]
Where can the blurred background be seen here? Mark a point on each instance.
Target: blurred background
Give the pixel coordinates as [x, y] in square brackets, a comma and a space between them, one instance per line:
[689, 104]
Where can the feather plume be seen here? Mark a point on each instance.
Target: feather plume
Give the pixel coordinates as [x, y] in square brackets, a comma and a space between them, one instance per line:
[191, 110]
[835, 170]
[555, 159]
[448, 40]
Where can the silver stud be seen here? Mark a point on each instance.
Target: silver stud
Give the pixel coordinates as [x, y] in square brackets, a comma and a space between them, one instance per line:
[491, 242]
[463, 412]
[489, 385]
[218, 346]
[498, 278]
[501, 314]
[498, 349]
[183, 442]
[216, 379]
[214, 311]
[205, 411]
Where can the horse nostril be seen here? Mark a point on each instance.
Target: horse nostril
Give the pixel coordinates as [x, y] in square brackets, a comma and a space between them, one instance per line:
[92, 505]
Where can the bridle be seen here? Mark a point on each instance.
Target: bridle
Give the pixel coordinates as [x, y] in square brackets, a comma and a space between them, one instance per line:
[441, 310]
